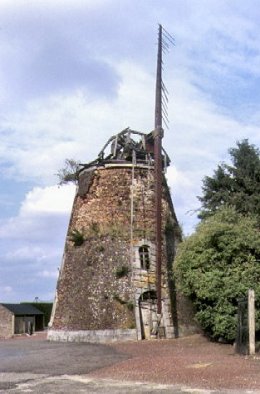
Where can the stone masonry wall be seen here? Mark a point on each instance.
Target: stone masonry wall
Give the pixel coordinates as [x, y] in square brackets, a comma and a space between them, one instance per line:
[107, 203]
[6, 323]
[95, 290]
[91, 295]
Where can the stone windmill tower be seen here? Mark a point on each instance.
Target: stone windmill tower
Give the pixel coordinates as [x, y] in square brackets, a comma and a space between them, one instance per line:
[115, 281]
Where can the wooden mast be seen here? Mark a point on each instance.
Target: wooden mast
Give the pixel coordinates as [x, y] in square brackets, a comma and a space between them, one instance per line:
[158, 135]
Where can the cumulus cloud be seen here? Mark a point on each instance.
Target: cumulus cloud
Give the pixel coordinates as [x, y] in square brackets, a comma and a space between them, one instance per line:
[71, 78]
[28, 253]
[42, 53]
[48, 274]
[6, 290]
[76, 126]
[42, 217]
[31, 243]
[184, 191]
[52, 199]
[40, 207]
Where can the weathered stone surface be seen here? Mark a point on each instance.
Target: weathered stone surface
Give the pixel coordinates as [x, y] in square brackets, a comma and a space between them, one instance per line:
[88, 287]
[101, 280]
[6, 323]
[93, 336]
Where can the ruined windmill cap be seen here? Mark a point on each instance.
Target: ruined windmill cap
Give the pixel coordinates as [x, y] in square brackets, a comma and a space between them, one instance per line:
[126, 148]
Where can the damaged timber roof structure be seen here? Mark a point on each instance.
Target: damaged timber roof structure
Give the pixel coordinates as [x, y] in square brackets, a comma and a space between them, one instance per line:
[116, 281]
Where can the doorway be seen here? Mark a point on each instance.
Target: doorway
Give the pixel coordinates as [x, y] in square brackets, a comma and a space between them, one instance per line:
[148, 314]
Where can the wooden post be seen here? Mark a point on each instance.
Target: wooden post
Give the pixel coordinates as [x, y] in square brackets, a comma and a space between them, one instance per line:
[251, 322]
[158, 135]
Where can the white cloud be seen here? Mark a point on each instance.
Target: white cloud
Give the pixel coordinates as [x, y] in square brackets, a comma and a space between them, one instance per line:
[32, 242]
[25, 253]
[6, 293]
[63, 127]
[184, 191]
[41, 214]
[178, 178]
[48, 274]
[6, 290]
[74, 126]
[212, 76]
[51, 199]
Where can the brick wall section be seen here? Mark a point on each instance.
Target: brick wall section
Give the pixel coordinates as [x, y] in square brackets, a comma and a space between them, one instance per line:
[6, 326]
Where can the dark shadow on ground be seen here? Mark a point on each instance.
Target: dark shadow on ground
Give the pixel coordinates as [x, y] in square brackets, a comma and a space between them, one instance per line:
[55, 358]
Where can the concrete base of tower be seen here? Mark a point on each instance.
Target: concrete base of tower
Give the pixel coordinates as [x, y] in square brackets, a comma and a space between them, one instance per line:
[92, 336]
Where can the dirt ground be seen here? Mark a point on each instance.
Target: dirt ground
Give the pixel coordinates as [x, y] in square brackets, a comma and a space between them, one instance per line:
[192, 361]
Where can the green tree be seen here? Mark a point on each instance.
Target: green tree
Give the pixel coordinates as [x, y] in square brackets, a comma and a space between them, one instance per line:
[217, 265]
[237, 184]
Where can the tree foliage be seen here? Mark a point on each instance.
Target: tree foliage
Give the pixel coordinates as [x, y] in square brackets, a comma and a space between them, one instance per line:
[69, 173]
[217, 265]
[237, 184]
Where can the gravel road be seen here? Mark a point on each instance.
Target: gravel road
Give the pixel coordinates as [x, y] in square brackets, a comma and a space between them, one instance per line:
[192, 361]
[187, 365]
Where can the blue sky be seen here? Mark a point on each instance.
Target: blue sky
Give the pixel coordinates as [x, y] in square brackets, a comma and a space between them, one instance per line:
[75, 72]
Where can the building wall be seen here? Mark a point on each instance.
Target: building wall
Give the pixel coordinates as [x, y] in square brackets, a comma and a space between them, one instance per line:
[6, 323]
[22, 324]
[101, 280]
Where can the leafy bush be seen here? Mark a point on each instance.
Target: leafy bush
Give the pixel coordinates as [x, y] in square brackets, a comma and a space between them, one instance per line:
[217, 265]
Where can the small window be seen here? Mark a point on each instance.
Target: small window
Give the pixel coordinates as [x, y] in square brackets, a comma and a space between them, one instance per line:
[144, 257]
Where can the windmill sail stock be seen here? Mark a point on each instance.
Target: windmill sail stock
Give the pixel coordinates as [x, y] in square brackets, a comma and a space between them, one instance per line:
[165, 41]
[161, 117]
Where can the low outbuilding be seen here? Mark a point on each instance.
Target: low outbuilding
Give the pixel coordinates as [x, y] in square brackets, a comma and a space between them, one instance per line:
[20, 319]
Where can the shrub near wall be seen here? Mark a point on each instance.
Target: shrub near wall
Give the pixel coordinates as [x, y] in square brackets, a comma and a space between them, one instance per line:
[217, 265]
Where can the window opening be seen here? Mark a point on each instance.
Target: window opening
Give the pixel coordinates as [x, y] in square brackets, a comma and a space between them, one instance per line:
[148, 296]
[144, 257]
